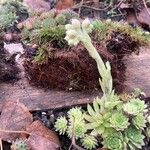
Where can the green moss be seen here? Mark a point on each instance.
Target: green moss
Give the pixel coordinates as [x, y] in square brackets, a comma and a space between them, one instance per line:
[49, 30]
[43, 54]
[104, 30]
[9, 12]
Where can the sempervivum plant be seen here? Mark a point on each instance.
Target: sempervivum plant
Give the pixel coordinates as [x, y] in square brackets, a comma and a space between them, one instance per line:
[19, 144]
[89, 142]
[61, 125]
[113, 140]
[134, 138]
[74, 127]
[135, 106]
[120, 123]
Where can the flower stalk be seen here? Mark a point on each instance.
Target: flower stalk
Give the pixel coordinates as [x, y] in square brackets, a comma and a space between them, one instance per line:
[79, 32]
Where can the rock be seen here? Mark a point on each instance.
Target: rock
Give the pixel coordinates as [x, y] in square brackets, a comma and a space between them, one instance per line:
[14, 48]
[37, 6]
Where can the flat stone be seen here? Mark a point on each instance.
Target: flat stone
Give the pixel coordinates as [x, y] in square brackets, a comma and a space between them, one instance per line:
[138, 71]
[138, 76]
[14, 48]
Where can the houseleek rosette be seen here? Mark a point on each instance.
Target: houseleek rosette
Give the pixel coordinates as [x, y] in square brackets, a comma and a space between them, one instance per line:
[139, 121]
[134, 138]
[76, 127]
[61, 125]
[119, 121]
[114, 141]
[89, 142]
[134, 107]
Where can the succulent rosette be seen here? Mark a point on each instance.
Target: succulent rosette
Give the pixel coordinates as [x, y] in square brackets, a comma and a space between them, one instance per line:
[89, 142]
[134, 138]
[61, 125]
[19, 144]
[76, 129]
[75, 114]
[76, 125]
[119, 121]
[114, 141]
[134, 107]
[139, 121]
[97, 122]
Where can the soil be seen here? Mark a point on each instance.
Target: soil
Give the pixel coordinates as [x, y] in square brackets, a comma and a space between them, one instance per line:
[73, 69]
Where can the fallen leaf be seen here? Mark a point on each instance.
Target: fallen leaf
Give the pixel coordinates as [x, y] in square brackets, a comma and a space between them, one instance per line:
[38, 142]
[39, 129]
[144, 16]
[64, 4]
[14, 117]
[131, 17]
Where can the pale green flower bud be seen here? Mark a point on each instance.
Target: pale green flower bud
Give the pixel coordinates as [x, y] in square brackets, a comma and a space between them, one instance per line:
[71, 34]
[73, 41]
[68, 27]
[86, 24]
[76, 23]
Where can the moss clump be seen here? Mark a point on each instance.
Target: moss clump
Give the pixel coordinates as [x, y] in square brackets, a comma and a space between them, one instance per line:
[104, 29]
[48, 32]
[10, 13]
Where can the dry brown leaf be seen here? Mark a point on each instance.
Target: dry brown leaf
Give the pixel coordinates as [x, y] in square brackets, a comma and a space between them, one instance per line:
[144, 16]
[39, 129]
[14, 117]
[38, 142]
[64, 4]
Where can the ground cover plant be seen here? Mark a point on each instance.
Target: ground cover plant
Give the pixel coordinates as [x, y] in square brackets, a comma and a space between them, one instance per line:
[11, 12]
[121, 123]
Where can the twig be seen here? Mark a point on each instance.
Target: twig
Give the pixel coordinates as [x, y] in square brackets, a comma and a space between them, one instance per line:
[8, 131]
[77, 6]
[94, 8]
[79, 11]
[118, 5]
